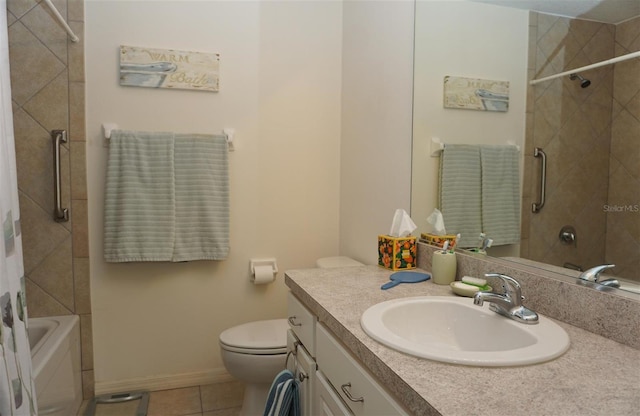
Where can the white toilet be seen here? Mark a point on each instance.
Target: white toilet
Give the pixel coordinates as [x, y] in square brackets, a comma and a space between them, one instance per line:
[255, 352]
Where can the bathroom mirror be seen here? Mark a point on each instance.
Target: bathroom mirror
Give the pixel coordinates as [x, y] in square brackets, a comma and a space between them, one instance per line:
[593, 184]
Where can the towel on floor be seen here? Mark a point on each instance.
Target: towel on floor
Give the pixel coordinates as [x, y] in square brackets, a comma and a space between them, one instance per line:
[166, 197]
[500, 193]
[460, 192]
[284, 396]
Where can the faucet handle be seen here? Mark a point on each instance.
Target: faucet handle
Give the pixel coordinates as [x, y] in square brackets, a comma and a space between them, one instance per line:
[511, 287]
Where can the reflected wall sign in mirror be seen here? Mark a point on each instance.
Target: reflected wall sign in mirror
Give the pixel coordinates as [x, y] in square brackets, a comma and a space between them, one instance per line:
[587, 133]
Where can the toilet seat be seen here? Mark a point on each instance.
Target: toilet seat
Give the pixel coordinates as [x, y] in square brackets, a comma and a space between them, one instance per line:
[268, 337]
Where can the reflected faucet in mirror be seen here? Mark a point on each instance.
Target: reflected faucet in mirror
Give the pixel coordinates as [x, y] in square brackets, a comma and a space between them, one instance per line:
[593, 275]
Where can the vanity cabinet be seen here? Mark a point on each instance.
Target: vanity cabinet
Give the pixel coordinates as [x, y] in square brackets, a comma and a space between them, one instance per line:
[356, 388]
[333, 382]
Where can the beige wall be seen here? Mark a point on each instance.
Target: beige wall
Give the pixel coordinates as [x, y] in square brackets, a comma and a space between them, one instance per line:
[157, 325]
[590, 138]
[47, 82]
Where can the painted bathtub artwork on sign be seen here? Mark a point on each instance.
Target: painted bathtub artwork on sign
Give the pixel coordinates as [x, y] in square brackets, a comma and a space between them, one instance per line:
[166, 68]
[476, 94]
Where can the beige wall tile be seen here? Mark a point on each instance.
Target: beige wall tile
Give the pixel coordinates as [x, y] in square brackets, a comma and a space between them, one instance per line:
[49, 105]
[77, 111]
[81, 281]
[32, 65]
[88, 383]
[78, 170]
[54, 275]
[79, 221]
[76, 53]
[40, 303]
[86, 339]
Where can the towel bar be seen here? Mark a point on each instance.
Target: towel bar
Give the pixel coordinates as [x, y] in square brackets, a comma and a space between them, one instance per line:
[437, 146]
[107, 128]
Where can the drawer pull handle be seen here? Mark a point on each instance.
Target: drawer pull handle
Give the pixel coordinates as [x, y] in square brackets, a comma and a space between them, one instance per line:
[348, 393]
[302, 376]
[292, 321]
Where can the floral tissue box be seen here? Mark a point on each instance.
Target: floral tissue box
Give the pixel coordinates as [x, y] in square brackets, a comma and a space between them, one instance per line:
[397, 253]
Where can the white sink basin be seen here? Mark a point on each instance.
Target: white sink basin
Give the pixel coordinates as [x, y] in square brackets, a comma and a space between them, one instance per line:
[454, 330]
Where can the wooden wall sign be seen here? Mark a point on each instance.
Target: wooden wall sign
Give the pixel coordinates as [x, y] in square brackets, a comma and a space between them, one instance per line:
[476, 94]
[167, 68]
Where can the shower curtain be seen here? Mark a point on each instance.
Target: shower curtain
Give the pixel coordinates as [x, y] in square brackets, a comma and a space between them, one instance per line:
[17, 391]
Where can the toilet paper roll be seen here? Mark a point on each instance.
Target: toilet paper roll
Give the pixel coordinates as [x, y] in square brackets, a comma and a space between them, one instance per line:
[263, 275]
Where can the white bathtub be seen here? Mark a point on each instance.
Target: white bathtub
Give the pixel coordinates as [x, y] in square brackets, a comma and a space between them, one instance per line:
[55, 357]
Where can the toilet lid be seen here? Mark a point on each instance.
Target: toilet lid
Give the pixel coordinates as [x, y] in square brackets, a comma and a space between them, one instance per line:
[259, 335]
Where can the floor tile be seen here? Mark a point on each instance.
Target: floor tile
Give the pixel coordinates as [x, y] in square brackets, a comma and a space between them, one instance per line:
[177, 402]
[222, 395]
[231, 411]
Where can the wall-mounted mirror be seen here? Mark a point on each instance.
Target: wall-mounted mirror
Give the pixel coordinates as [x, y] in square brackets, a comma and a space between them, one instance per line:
[588, 132]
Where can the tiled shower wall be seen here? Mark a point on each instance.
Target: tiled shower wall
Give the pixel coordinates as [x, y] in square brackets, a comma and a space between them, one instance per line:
[47, 83]
[577, 127]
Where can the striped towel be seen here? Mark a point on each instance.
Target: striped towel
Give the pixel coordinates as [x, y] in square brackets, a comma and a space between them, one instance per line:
[284, 396]
[166, 198]
[459, 192]
[202, 198]
[139, 213]
[500, 193]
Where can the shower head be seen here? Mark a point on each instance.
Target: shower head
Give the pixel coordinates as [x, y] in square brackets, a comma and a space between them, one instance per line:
[584, 83]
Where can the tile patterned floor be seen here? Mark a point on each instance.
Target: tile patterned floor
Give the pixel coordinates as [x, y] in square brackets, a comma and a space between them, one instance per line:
[219, 399]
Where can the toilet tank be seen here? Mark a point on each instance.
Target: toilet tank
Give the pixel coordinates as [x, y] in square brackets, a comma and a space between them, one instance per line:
[340, 261]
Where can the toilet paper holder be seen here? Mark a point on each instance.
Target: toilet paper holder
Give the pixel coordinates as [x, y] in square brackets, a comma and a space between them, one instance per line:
[264, 262]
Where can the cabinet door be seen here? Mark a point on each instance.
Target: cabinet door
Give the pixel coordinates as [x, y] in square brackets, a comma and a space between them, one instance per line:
[304, 367]
[362, 393]
[326, 400]
[303, 323]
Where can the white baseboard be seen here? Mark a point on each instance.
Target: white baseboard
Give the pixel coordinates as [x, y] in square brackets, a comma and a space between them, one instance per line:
[174, 381]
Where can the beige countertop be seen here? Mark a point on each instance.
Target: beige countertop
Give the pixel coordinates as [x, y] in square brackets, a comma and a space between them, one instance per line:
[596, 376]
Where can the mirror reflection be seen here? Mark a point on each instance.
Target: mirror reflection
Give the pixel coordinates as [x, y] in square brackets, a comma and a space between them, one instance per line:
[587, 125]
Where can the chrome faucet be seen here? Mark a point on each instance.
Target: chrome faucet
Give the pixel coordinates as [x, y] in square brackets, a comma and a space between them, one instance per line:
[593, 274]
[508, 304]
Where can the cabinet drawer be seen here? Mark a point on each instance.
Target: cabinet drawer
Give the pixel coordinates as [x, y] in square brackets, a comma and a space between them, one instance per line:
[349, 378]
[327, 402]
[303, 323]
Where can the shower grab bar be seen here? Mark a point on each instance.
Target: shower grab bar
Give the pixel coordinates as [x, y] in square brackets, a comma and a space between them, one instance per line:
[537, 206]
[59, 214]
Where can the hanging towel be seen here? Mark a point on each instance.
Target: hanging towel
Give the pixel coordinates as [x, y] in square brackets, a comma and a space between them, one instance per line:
[284, 396]
[500, 194]
[166, 197]
[460, 192]
[202, 198]
[139, 212]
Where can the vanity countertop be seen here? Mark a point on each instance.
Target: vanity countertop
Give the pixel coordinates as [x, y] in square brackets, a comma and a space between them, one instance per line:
[596, 376]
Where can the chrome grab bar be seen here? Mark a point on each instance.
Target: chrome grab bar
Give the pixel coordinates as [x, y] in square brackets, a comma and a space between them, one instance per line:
[537, 206]
[59, 214]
